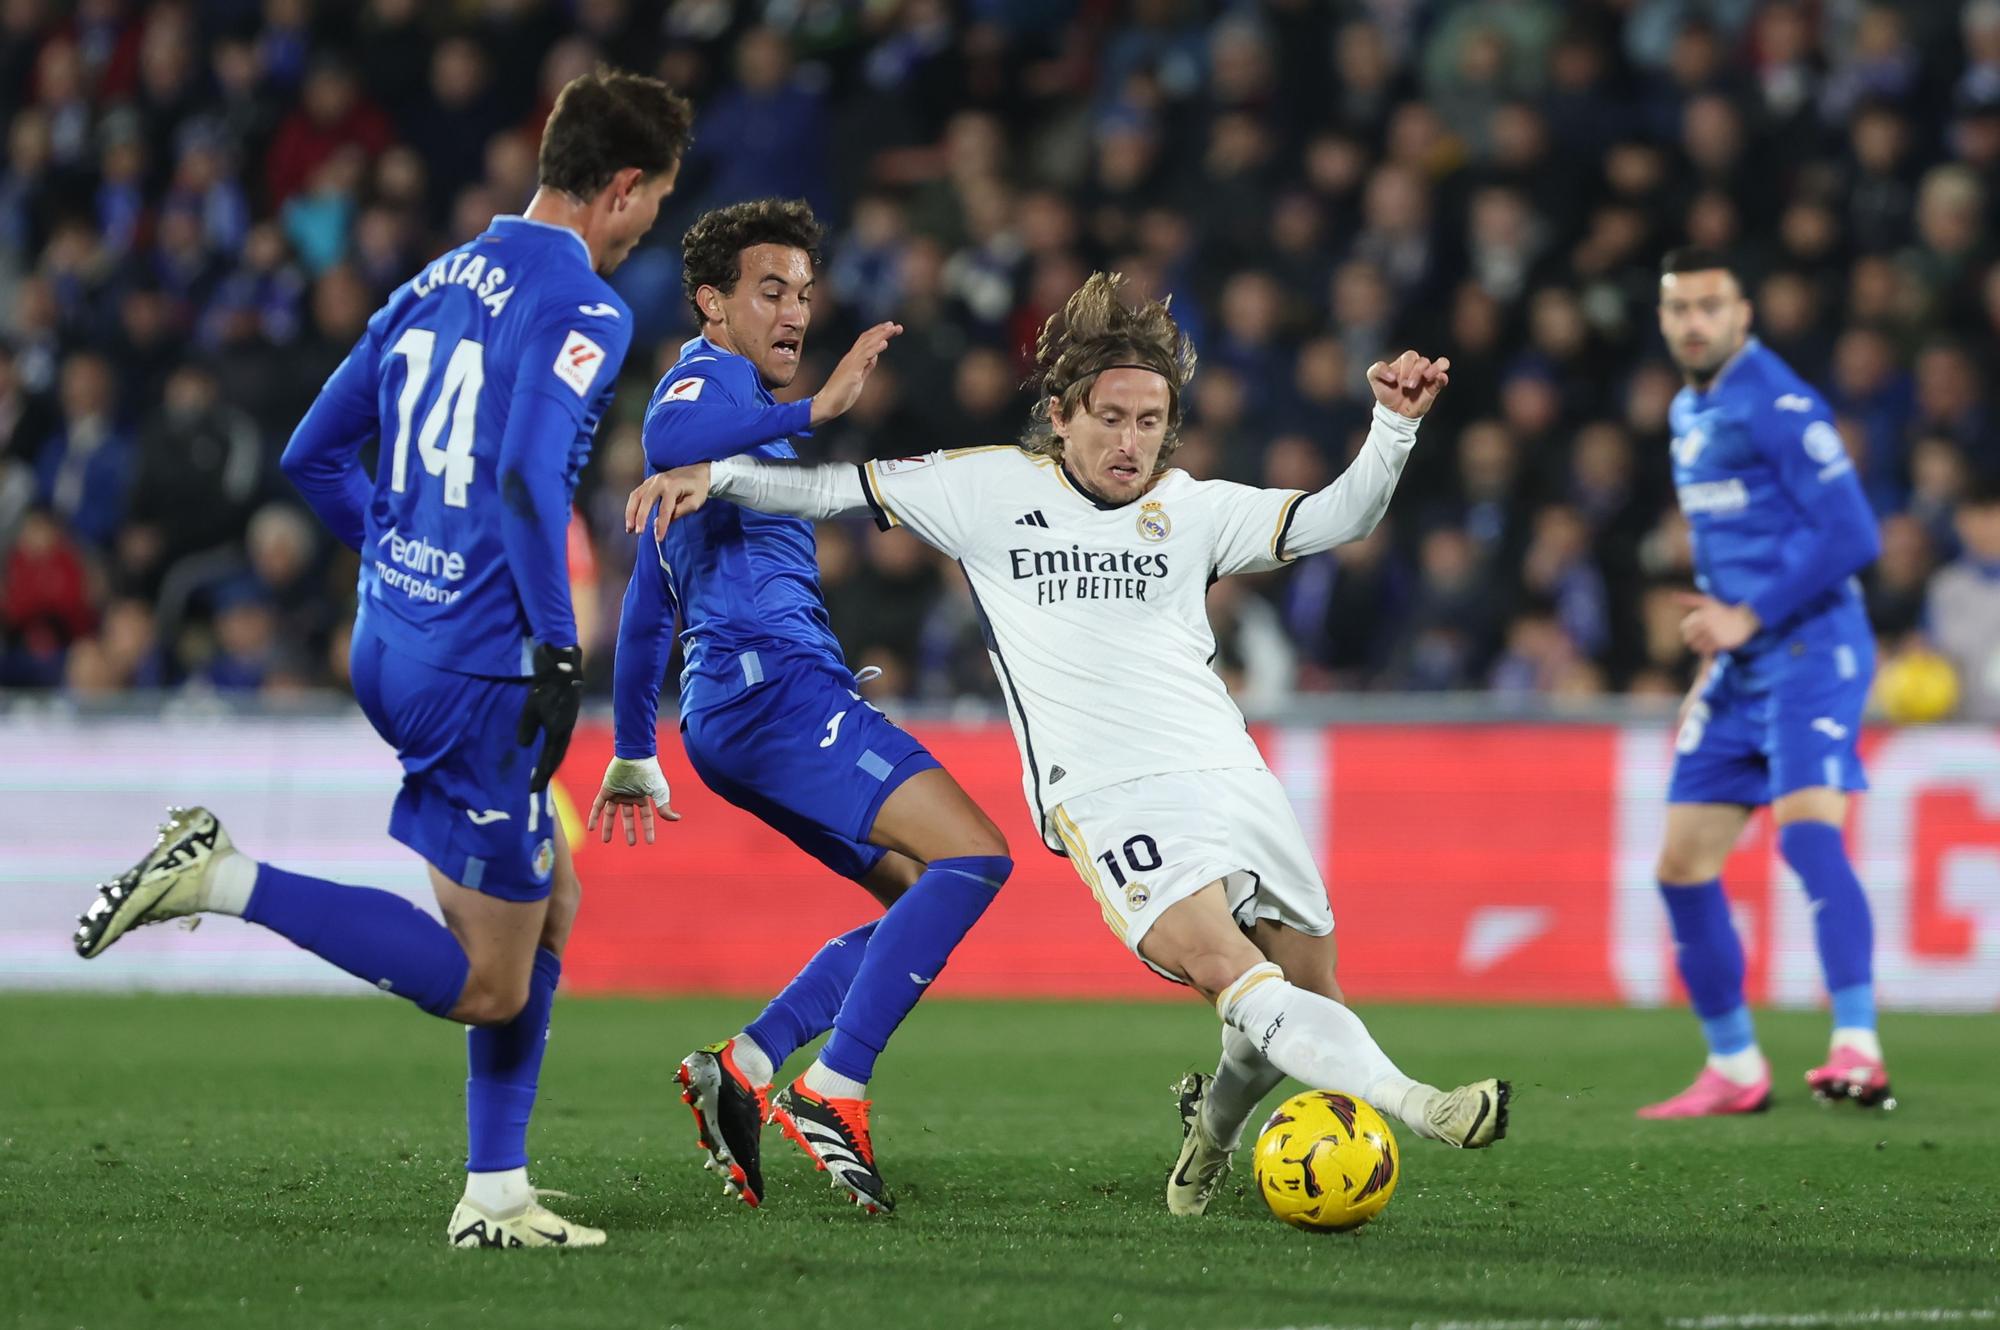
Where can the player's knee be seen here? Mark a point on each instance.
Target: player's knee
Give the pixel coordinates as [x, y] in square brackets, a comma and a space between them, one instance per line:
[1687, 865]
[489, 1002]
[1211, 972]
[490, 1009]
[1820, 805]
[984, 840]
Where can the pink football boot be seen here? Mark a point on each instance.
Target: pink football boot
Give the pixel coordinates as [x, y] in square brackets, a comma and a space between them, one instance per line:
[1851, 1077]
[1714, 1095]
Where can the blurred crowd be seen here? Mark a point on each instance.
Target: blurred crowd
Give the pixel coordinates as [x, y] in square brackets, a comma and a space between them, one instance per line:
[202, 203]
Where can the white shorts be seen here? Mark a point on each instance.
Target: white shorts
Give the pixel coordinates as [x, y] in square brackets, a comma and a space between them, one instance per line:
[1141, 845]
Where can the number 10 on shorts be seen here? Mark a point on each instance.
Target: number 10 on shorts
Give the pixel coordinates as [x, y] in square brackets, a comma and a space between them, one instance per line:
[1142, 855]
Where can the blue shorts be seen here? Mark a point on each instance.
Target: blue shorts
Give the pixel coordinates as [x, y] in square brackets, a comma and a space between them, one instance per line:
[809, 758]
[1788, 722]
[464, 805]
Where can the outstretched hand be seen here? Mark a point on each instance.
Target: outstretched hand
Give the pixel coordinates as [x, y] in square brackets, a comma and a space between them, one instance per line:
[843, 387]
[1409, 384]
[677, 492]
[631, 786]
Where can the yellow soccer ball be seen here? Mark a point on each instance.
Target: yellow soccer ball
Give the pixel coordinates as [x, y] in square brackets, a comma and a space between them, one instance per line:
[1326, 1162]
[1916, 687]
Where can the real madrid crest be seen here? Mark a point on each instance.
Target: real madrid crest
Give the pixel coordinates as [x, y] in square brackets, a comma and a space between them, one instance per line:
[1136, 895]
[1154, 524]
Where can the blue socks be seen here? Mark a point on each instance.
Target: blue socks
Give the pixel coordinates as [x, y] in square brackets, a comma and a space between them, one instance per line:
[504, 1064]
[374, 935]
[810, 1003]
[1842, 924]
[1709, 956]
[912, 941]
[382, 938]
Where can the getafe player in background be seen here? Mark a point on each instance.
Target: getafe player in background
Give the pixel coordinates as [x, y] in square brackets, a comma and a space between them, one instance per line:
[484, 377]
[771, 720]
[1780, 527]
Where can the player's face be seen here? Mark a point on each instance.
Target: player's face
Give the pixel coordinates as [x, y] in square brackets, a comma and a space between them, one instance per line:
[764, 319]
[1113, 441]
[631, 214]
[1704, 318]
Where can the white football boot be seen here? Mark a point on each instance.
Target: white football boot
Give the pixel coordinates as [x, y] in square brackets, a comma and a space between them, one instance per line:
[1470, 1117]
[1202, 1164]
[533, 1225]
[166, 884]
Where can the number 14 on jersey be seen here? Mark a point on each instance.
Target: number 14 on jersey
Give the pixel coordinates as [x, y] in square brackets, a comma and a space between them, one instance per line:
[453, 415]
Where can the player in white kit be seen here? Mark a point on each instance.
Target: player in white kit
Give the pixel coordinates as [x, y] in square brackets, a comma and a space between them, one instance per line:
[1090, 560]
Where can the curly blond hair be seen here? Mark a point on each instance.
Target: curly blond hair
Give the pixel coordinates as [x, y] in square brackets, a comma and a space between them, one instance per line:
[1097, 329]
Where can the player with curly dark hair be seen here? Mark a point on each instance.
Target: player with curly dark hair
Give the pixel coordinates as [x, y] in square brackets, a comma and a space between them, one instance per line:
[715, 252]
[771, 720]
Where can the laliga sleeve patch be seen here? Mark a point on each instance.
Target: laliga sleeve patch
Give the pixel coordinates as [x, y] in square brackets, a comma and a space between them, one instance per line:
[578, 362]
[890, 466]
[683, 390]
[1823, 443]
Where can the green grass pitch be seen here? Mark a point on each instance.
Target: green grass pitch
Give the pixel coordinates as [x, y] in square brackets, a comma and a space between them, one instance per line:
[203, 1161]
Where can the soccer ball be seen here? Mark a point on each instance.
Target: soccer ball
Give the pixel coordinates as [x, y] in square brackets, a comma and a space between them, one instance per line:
[1916, 687]
[1326, 1162]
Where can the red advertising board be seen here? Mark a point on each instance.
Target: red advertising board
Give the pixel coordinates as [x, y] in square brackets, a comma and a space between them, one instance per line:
[1494, 863]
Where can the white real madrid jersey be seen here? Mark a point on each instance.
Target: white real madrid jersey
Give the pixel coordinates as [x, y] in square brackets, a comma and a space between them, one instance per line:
[1095, 616]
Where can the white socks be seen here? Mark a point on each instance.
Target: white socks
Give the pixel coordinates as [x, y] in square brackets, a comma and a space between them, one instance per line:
[1242, 1079]
[1865, 1042]
[499, 1194]
[231, 879]
[753, 1060]
[829, 1084]
[1318, 1041]
[1745, 1067]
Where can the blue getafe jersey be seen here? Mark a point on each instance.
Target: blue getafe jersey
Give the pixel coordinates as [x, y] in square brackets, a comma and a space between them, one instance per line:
[744, 583]
[1778, 517]
[485, 376]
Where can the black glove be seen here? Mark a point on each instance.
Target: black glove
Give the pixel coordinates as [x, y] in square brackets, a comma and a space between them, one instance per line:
[555, 692]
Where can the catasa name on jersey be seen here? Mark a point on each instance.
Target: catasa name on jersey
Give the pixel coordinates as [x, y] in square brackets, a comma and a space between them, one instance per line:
[473, 272]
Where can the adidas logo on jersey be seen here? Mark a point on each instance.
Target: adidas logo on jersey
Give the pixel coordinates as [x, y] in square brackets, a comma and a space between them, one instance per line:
[1056, 774]
[1032, 519]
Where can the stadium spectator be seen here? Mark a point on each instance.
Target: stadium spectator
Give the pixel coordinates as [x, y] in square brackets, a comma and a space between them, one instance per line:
[332, 113]
[85, 468]
[200, 468]
[1315, 184]
[1964, 609]
[766, 135]
[1899, 583]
